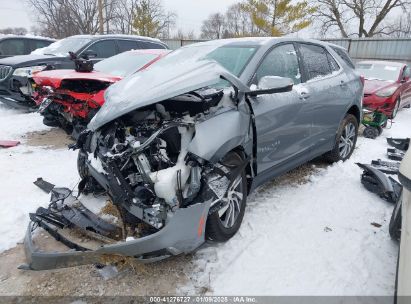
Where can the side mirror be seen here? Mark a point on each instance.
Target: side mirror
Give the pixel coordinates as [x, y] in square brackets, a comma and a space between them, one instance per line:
[405, 79]
[89, 54]
[272, 85]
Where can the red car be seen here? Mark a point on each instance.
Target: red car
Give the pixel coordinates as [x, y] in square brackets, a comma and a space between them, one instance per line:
[387, 85]
[70, 99]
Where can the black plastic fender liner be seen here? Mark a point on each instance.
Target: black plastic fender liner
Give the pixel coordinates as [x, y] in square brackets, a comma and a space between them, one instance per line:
[386, 167]
[377, 182]
[399, 143]
[395, 154]
[44, 185]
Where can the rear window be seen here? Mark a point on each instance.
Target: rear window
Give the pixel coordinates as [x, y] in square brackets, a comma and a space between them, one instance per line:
[344, 56]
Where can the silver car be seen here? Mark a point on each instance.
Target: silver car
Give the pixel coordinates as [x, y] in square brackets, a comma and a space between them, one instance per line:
[179, 146]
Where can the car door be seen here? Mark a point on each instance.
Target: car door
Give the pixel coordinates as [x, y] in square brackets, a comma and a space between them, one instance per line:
[12, 47]
[102, 49]
[405, 86]
[283, 120]
[327, 93]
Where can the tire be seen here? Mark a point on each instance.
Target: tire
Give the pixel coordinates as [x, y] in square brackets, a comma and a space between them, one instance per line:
[371, 132]
[396, 108]
[219, 226]
[337, 153]
[395, 222]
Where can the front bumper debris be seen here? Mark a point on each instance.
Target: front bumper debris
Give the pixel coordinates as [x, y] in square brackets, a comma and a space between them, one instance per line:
[183, 232]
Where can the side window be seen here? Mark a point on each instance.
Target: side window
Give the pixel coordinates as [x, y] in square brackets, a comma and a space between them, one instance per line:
[344, 56]
[104, 49]
[315, 60]
[407, 72]
[127, 45]
[281, 61]
[12, 47]
[149, 45]
[37, 44]
[333, 64]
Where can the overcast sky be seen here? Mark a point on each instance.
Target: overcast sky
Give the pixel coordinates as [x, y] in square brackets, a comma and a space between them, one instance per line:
[190, 13]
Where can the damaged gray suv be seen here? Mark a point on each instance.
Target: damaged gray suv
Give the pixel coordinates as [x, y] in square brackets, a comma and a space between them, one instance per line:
[180, 145]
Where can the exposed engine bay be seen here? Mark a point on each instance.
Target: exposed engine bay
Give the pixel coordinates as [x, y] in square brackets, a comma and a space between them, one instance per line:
[145, 160]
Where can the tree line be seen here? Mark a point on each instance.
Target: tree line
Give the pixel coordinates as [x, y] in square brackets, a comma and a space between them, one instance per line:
[325, 18]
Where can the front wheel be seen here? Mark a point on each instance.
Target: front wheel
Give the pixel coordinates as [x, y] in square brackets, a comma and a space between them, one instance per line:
[225, 222]
[345, 140]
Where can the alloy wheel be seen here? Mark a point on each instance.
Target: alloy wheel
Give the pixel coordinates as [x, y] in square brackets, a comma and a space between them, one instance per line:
[347, 138]
[230, 211]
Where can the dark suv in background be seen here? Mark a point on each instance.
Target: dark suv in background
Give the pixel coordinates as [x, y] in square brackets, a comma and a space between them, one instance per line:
[16, 85]
[11, 45]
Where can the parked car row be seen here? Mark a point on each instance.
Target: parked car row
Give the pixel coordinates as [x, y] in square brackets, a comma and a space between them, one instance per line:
[16, 85]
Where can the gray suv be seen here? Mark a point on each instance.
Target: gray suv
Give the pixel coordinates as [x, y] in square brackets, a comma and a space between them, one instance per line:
[179, 146]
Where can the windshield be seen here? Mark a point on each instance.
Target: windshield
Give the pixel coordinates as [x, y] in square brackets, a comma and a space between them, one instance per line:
[379, 71]
[124, 64]
[62, 47]
[232, 58]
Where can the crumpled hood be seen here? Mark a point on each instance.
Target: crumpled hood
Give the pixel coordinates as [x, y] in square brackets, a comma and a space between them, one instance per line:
[372, 86]
[54, 78]
[157, 84]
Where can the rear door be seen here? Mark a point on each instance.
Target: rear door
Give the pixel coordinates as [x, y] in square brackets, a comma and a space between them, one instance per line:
[326, 91]
[283, 120]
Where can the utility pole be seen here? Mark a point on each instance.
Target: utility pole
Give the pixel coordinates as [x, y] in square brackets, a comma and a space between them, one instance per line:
[100, 17]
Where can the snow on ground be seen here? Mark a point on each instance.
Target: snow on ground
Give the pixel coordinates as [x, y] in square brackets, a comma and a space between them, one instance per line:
[20, 167]
[310, 239]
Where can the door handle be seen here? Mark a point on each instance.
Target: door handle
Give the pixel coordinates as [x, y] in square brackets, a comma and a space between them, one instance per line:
[343, 84]
[304, 95]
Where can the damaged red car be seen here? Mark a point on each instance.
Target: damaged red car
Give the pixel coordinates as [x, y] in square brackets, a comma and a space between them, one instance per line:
[69, 99]
[387, 85]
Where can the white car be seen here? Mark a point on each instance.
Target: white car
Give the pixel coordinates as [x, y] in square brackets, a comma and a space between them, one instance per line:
[402, 212]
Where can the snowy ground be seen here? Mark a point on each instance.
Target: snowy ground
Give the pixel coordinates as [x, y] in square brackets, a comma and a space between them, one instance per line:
[314, 238]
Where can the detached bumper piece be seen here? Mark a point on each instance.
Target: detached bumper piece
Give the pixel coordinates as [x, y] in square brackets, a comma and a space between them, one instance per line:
[386, 167]
[377, 182]
[395, 154]
[399, 143]
[80, 237]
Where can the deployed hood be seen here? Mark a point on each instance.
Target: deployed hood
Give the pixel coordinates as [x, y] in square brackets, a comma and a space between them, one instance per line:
[54, 78]
[159, 83]
[372, 86]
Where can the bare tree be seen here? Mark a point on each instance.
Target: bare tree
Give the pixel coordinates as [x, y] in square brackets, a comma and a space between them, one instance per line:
[400, 28]
[14, 31]
[62, 18]
[213, 27]
[182, 35]
[123, 16]
[357, 18]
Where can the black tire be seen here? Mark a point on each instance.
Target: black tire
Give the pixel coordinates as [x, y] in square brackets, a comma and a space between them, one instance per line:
[215, 228]
[81, 165]
[396, 108]
[335, 154]
[380, 130]
[395, 222]
[371, 132]
[51, 122]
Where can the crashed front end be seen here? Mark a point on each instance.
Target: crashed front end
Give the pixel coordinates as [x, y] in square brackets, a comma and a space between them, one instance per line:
[159, 165]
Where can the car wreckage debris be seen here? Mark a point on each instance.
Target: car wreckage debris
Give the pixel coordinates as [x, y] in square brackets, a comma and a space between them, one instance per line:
[386, 167]
[395, 154]
[44, 185]
[399, 143]
[377, 182]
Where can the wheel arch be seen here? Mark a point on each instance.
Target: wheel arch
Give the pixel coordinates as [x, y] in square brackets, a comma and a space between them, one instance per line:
[355, 111]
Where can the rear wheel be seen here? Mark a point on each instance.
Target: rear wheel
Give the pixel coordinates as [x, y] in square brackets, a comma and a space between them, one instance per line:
[225, 222]
[345, 140]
